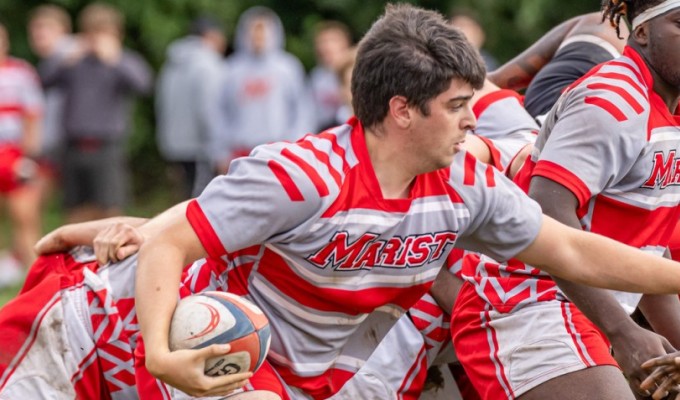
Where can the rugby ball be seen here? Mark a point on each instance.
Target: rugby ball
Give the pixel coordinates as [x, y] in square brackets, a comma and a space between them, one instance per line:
[208, 318]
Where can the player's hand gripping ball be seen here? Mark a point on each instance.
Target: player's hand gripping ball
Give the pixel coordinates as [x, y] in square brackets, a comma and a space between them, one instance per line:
[210, 318]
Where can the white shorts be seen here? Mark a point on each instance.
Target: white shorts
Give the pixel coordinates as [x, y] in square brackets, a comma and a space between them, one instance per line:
[507, 354]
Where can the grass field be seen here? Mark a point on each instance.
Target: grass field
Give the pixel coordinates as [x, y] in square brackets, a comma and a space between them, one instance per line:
[146, 207]
[7, 294]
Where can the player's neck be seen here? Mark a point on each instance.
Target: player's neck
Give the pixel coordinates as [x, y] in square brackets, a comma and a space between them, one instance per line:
[668, 93]
[390, 164]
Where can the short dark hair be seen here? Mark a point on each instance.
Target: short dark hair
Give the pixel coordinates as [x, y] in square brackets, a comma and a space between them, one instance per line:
[613, 10]
[413, 53]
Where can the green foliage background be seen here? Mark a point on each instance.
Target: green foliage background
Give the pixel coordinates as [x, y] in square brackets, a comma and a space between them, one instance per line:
[151, 24]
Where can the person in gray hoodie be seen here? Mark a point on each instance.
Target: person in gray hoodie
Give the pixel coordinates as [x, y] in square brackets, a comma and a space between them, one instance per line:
[186, 101]
[264, 98]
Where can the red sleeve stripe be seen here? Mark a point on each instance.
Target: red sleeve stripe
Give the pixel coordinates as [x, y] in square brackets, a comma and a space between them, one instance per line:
[469, 176]
[622, 77]
[426, 307]
[607, 106]
[490, 178]
[205, 232]
[488, 99]
[621, 92]
[336, 148]
[322, 157]
[564, 177]
[495, 154]
[286, 181]
[313, 175]
[629, 67]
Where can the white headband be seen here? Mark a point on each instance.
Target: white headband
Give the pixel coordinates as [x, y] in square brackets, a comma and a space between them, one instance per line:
[655, 11]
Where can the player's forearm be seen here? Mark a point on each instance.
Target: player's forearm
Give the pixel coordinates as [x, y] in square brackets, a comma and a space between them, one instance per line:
[663, 314]
[609, 264]
[517, 73]
[594, 260]
[161, 260]
[600, 306]
[157, 281]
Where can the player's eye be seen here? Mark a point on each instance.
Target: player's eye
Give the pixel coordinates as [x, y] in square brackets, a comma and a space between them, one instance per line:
[456, 105]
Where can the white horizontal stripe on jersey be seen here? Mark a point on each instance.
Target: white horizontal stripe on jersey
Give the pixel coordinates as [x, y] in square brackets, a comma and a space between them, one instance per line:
[363, 217]
[357, 217]
[301, 312]
[421, 207]
[666, 133]
[360, 281]
[643, 201]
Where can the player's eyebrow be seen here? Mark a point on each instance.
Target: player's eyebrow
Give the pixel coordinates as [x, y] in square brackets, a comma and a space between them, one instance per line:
[461, 98]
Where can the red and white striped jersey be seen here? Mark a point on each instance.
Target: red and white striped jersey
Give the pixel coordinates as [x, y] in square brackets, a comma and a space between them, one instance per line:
[20, 95]
[310, 239]
[611, 140]
[504, 125]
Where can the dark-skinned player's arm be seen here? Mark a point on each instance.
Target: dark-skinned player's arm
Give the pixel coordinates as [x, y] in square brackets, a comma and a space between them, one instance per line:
[632, 344]
[517, 73]
[445, 289]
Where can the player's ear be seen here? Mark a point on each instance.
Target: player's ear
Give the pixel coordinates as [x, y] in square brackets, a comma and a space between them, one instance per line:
[400, 111]
[641, 34]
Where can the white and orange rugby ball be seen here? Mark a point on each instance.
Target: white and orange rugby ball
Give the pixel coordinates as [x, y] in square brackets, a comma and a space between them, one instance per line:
[208, 318]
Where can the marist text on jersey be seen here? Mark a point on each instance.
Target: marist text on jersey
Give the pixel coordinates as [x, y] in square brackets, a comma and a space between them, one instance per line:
[665, 172]
[369, 251]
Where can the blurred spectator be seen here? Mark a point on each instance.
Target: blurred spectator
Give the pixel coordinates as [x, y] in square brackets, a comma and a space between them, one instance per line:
[332, 41]
[467, 21]
[98, 79]
[50, 38]
[21, 103]
[264, 98]
[186, 101]
[344, 74]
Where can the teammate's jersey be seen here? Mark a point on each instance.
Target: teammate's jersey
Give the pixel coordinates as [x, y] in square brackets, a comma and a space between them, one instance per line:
[504, 125]
[312, 241]
[610, 140]
[20, 95]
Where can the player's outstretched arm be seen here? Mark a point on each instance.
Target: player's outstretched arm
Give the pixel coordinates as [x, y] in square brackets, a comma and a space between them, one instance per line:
[81, 234]
[595, 260]
[518, 72]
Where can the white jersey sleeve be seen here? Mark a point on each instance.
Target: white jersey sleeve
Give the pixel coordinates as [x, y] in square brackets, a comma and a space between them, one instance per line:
[592, 138]
[263, 198]
[503, 219]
